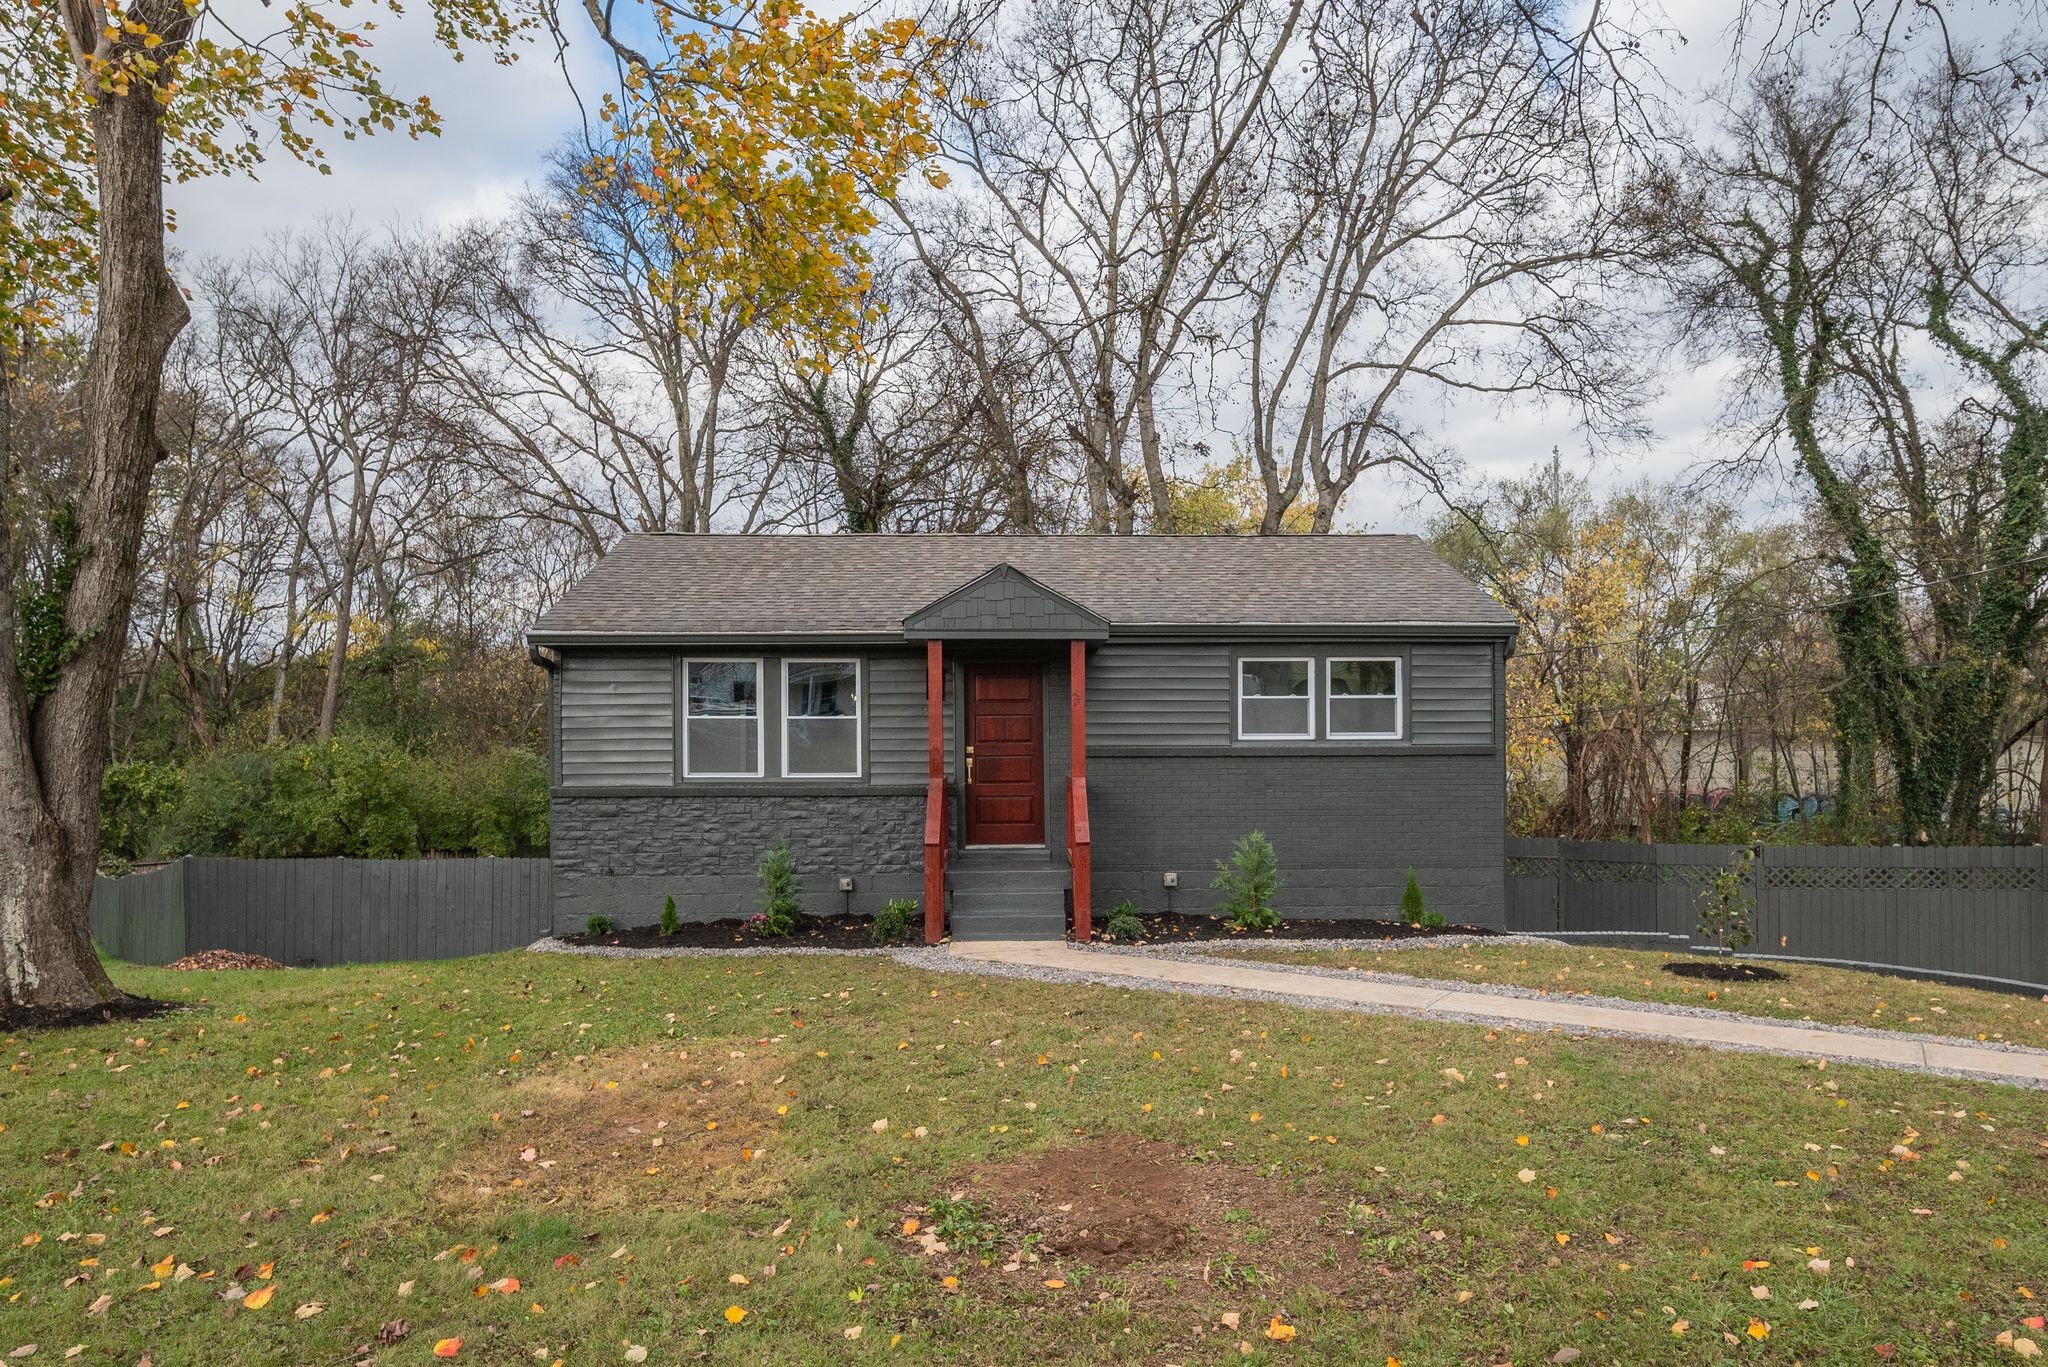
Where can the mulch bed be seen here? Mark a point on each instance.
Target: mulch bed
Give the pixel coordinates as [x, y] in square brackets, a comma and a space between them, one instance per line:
[16, 1018]
[207, 960]
[1725, 972]
[812, 932]
[1176, 927]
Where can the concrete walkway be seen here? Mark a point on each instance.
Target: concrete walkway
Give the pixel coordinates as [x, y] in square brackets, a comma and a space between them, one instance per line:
[1921, 1053]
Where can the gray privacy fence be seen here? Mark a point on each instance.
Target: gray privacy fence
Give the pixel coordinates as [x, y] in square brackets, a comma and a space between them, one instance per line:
[1976, 914]
[306, 912]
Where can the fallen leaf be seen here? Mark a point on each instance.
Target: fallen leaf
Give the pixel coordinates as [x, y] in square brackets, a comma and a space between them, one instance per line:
[260, 1297]
[1229, 1319]
[308, 1310]
[734, 1314]
[1565, 1355]
[1279, 1332]
[447, 1348]
[636, 1352]
[1759, 1330]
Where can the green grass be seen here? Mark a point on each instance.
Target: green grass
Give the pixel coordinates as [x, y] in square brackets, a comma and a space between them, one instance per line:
[1832, 996]
[389, 1095]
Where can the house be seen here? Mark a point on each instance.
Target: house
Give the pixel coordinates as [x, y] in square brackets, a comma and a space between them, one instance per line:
[1116, 712]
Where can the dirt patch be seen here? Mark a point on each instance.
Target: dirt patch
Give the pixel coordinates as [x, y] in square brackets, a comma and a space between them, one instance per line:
[1724, 973]
[1167, 1230]
[640, 1128]
[19, 1018]
[812, 932]
[1176, 927]
[207, 960]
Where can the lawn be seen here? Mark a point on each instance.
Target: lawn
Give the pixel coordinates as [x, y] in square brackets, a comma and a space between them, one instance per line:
[600, 1161]
[1811, 992]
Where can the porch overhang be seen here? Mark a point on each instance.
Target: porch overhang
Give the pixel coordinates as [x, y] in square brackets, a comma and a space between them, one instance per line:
[1004, 604]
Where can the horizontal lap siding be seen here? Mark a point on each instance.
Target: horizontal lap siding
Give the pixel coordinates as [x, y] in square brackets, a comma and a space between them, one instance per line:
[1159, 695]
[1451, 694]
[618, 719]
[897, 739]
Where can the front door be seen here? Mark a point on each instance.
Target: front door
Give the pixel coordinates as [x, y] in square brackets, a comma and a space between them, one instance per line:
[1005, 755]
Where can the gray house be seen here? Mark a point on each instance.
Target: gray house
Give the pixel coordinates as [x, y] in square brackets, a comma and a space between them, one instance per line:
[1115, 712]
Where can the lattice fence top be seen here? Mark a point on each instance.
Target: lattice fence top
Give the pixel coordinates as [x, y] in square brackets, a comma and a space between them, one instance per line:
[1879, 878]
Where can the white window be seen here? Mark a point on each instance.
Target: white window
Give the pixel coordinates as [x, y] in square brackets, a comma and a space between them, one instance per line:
[1364, 698]
[722, 725]
[1275, 699]
[821, 721]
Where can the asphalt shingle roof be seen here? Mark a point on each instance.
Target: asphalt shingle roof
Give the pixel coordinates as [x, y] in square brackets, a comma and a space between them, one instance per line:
[659, 584]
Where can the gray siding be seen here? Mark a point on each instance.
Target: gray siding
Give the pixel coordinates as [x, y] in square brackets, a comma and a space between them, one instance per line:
[896, 719]
[1003, 603]
[617, 720]
[1159, 695]
[1451, 694]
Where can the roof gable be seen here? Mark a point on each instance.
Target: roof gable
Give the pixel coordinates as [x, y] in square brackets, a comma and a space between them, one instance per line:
[1004, 602]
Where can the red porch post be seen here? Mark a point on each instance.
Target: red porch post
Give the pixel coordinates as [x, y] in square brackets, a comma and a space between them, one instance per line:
[1079, 855]
[935, 794]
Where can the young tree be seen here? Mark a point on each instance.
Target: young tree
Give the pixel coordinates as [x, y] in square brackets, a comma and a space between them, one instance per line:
[775, 126]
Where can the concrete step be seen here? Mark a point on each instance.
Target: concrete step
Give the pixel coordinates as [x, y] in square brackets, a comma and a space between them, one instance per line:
[1037, 878]
[1010, 926]
[1007, 911]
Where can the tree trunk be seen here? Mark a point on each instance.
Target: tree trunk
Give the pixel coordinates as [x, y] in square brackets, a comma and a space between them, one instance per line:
[53, 747]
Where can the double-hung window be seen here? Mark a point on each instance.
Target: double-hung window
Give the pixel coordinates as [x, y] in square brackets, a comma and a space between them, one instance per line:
[821, 721]
[1275, 699]
[1364, 698]
[722, 723]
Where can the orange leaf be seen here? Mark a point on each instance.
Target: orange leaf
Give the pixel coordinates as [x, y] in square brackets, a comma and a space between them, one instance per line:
[1278, 1331]
[734, 1314]
[447, 1348]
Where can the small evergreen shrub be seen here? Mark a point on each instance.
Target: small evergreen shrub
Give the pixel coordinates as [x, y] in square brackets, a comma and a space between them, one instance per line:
[1123, 925]
[598, 925]
[1411, 901]
[894, 923]
[779, 891]
[1249, 882]
[670, 922]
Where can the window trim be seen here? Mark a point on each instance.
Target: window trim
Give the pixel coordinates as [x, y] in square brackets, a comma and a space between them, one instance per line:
[1237, 667]
[1330, 731]
[860, 714]
[760, 665]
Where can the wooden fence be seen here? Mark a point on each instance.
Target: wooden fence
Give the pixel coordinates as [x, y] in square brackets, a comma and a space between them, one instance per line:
[1972, 914]
[309, 912]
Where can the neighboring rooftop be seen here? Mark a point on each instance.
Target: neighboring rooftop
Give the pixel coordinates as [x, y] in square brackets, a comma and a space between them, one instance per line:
[685, 584]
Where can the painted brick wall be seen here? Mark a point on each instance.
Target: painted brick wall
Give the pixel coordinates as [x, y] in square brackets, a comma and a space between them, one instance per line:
[618, 856]
[1347, 828]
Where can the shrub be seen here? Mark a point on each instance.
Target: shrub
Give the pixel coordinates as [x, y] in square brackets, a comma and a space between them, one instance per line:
[1249, 882]
[1727, 910]
[894, 923]
[779, 890]
[1123, 924]
[670, 922]
[1411, 901]
[598, 925]
[134, 799]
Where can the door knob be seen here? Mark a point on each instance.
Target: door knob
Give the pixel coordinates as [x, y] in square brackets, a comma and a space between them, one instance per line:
[970, 764]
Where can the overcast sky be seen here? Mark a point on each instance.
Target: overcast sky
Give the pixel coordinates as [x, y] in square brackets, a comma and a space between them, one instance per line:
[501, 122]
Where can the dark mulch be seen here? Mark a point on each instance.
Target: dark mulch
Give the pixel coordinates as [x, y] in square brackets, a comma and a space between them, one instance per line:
[1176, 927]
[1725, 972]
[16, 1018]
[812, 932]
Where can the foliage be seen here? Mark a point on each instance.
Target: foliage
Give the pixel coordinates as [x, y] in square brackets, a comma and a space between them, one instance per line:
[670, 922]
[1411, 901]
[1227, 498]
[895, 923]
[597, 925]
[1249, 882]
[1727, 907]
[47, 645]
[1123, 925]
[357, 795]
[779, 892]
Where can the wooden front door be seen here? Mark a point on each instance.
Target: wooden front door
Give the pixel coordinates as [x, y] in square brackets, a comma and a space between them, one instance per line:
[1005, 757]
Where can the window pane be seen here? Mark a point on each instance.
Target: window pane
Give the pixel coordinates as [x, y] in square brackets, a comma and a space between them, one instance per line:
[1275, 678]
[724, 688]
[723, 745]
[1275, 716]
[1356, 716]
[1361, 677]
[824, 745]
[824, 690]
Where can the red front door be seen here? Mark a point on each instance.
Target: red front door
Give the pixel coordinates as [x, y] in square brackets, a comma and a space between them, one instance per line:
[1005, 755]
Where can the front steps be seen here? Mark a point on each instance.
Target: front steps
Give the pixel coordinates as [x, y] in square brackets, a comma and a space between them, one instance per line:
[1007, 895]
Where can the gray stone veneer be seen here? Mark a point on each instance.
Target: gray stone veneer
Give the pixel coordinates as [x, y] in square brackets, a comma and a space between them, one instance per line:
[619, 856]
